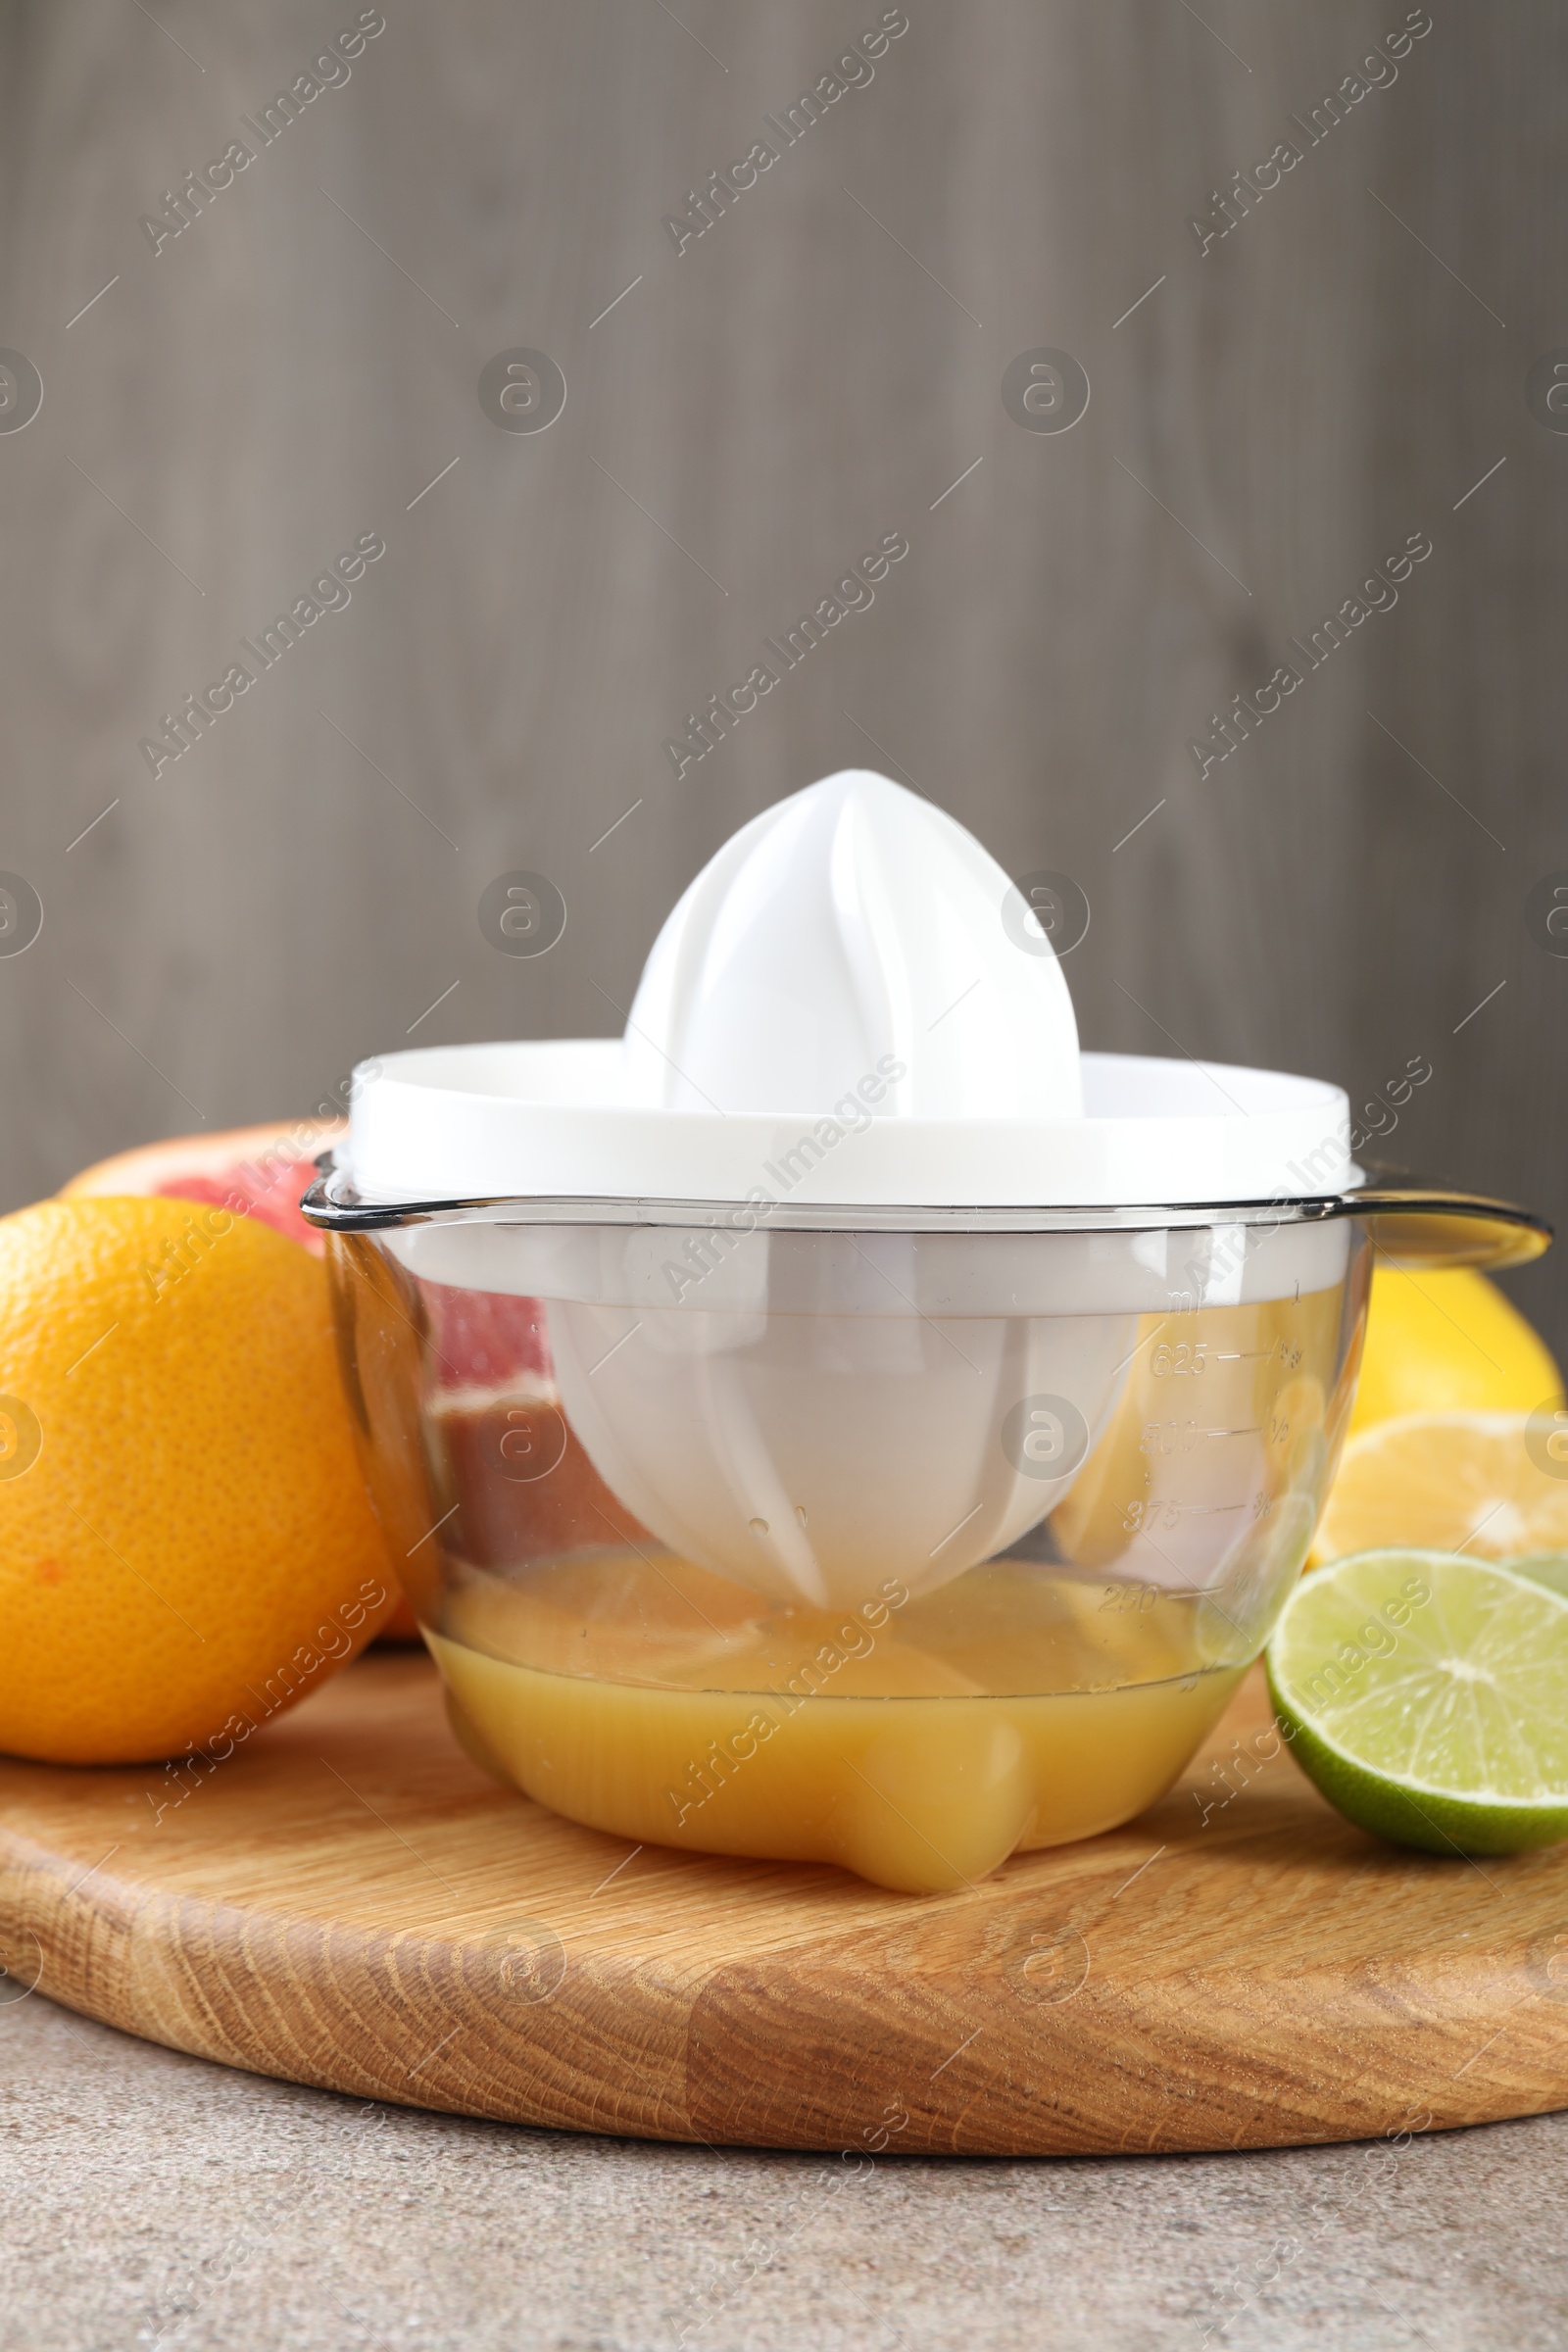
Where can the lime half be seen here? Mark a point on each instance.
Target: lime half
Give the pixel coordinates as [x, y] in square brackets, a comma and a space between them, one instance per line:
[1427, 1696]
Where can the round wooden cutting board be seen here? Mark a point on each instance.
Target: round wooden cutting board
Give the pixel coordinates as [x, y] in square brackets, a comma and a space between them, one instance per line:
[349, 1904]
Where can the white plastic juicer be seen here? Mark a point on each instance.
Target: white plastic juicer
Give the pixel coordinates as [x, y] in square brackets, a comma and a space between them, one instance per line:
[840, 1420]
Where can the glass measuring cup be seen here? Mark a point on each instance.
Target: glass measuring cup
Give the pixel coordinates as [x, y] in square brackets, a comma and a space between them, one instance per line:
[900, 1539]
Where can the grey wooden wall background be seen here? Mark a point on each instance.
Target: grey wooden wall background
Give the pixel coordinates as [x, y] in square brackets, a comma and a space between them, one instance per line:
[297, 365]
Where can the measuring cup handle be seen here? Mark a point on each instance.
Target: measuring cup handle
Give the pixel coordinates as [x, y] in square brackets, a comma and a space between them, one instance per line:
[1415, 1224]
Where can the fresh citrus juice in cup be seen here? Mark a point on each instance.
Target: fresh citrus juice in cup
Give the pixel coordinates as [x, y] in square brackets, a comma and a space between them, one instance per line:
[906, 1739]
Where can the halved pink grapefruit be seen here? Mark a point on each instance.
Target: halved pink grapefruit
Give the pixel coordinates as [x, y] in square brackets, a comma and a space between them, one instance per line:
[259, 1172]
[256, 1171]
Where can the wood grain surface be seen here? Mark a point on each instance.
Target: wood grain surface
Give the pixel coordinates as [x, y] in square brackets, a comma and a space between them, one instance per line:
[814, 372]
[351, 1904]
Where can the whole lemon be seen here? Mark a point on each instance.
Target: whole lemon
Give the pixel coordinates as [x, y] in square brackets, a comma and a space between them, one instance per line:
[1447, 1342]
[187, 1545]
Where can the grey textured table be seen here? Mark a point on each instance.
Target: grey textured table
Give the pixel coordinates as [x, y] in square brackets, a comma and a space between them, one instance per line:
[151, 2198]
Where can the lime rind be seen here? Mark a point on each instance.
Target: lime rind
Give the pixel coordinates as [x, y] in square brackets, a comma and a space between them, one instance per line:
[1426, 1694]
[1410, 1815]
